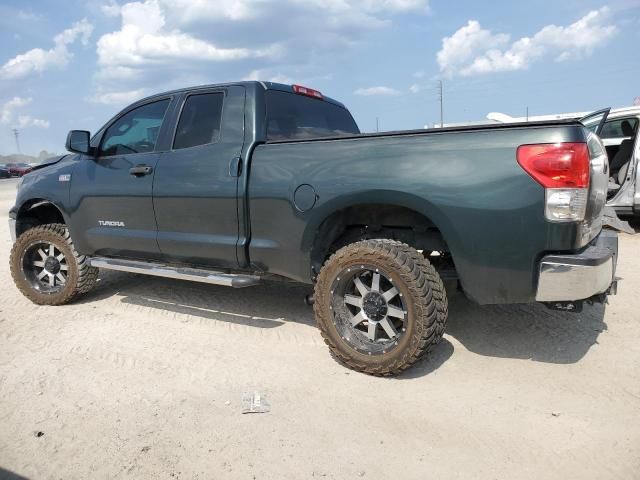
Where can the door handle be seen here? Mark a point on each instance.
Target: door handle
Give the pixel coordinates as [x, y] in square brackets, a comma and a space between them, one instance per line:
[141, 170]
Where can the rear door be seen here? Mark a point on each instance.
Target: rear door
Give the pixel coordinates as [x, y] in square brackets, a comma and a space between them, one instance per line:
[618, 130]
[195, 187]
[112, 193]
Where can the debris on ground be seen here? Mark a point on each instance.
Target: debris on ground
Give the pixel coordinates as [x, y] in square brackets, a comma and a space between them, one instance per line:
[255, 403]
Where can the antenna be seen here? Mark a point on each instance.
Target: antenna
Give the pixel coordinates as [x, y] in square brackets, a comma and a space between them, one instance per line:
[441, 98]
[16, 133]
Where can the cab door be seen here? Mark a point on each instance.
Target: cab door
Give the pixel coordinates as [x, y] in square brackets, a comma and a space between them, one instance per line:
[195, 186]
[111, 193]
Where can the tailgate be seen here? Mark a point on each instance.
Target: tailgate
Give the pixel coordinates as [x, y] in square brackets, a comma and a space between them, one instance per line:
[599, 179]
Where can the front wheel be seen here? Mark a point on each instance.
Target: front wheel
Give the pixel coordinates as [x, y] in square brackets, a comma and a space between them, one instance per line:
[46, 267]
[380, 306]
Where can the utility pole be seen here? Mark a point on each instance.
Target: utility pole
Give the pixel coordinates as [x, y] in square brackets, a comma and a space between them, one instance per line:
[377, 124]
[527, 114]
[16, 133]
[441, 98]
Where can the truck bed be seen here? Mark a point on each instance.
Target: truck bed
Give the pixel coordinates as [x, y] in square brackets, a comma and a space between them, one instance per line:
[466, 180]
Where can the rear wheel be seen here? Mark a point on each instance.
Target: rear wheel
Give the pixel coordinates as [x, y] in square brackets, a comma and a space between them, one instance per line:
[46, 267]
[380, 306]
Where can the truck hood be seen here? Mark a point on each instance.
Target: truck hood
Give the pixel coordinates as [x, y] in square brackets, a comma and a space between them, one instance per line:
[49, 161]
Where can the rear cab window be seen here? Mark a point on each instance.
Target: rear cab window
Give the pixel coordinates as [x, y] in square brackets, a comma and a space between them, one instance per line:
[291, 116]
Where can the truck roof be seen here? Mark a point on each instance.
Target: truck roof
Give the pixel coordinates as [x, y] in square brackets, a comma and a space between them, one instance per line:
[266, 85]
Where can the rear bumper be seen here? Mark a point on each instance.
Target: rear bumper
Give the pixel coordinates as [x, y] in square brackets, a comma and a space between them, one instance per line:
[571, 277]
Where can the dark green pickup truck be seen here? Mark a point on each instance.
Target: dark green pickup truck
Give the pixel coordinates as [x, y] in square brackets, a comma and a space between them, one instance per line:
[231, 184]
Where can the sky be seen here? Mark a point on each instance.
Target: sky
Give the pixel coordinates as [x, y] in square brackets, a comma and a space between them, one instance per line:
[75, 64]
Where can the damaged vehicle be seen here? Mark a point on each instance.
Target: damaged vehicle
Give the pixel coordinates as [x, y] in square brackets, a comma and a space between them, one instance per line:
[237, 183]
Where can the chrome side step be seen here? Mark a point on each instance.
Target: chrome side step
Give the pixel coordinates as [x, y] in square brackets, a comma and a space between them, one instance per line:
[181, 273]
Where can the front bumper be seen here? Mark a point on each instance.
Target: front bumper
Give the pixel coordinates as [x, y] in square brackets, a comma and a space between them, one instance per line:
[572, 277]
[12, 229]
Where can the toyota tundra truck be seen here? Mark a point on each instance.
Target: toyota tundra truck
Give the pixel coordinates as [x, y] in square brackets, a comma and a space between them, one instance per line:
[237, 183]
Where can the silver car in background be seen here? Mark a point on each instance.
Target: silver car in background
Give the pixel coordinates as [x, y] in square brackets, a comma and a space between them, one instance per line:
[620, 137]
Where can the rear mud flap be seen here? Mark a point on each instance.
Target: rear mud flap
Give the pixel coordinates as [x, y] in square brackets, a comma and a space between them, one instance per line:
[611, 220]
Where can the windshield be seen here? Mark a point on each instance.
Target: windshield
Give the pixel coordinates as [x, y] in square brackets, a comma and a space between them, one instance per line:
[292, 116]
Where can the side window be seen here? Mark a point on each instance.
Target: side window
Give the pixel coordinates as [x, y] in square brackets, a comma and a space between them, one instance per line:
[620, 128]
[199, 121]
[136, 131]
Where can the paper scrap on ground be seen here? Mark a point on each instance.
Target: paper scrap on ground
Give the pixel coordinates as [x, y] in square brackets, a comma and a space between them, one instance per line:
[255, 403]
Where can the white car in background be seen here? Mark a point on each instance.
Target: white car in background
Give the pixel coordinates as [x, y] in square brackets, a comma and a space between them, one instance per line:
[619, 135]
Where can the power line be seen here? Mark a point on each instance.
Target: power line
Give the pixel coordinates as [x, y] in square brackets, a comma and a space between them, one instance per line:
[441, 98]
[16, 133]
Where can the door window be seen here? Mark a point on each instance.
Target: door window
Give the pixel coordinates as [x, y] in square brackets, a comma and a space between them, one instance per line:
[136, 131]
[199, 121]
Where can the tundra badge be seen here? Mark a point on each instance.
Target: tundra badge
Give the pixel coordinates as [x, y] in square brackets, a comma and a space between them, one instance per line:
[110, 223]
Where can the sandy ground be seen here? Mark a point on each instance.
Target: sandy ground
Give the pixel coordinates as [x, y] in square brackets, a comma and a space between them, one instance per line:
[143, 378]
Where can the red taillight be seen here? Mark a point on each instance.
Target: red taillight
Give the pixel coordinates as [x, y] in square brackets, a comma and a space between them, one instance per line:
[309, 92]
[556, 165]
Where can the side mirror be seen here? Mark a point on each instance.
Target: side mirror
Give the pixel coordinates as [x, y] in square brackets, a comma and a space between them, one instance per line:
[78, 142]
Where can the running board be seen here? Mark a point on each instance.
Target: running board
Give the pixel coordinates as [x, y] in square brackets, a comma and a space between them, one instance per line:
[180, 273]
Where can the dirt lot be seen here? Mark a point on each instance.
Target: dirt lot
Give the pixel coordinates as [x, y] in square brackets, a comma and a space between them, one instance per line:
[144, 377]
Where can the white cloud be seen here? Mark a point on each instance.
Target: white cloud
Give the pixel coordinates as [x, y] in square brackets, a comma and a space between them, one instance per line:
[238, 10]
[154, 33]
[23, 121]
[195, 10]
[119, 98]
[394, 5]
[143, 40]
[474, 50]
[37, 60]
[415, 88]
[112, 9]
[266, 76]
[366, 92]
[360, 12]
[6, 113]
[461, 47]
[164, 43]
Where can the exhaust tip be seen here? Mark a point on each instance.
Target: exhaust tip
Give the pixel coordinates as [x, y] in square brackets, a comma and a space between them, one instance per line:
[309, 299]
